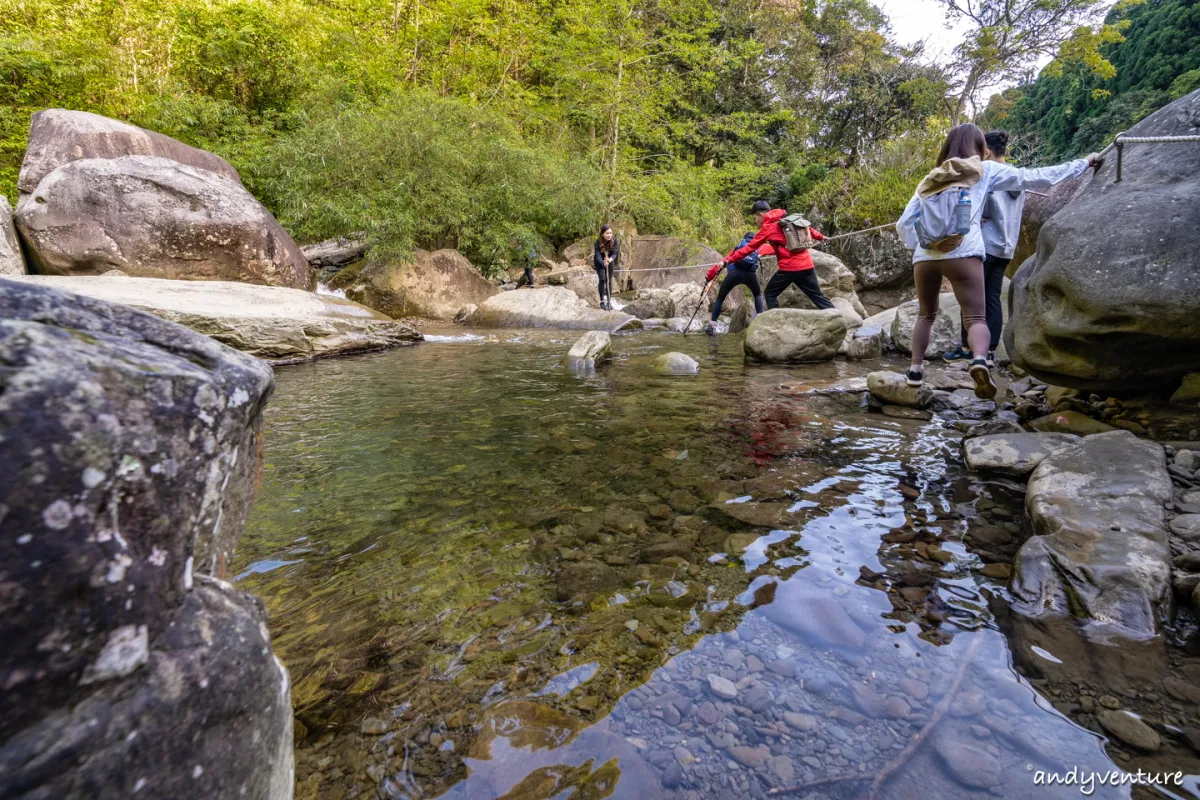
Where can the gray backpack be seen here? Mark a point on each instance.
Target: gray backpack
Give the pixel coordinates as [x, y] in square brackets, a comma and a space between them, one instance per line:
[944, 219]
[796, 233]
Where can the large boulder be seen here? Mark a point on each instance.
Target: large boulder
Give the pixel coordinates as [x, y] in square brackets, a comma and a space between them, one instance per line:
[132, 448]
[1099, 554]
[651, 304]
[551, 307]
[11, 260]
[878, 260]
[58, 136]
[795, 335]
[155, 218]
[430, 285]
[1040, 206]
[273, 323]
[1112, 299]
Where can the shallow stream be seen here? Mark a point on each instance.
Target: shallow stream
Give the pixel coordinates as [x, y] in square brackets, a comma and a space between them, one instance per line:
[490, 577]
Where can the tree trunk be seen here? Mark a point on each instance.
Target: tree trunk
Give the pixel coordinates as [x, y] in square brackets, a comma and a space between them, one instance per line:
[616, 133]
[969, 85]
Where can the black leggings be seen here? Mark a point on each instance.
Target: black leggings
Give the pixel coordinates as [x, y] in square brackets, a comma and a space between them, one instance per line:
[993, 284]
[604, 283]
[738, 277]
[805, 279]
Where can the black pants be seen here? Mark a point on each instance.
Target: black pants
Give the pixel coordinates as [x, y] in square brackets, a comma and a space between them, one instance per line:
[734, 277]
[604, 283]
[993, 284]
[805, 279]
[529, 276]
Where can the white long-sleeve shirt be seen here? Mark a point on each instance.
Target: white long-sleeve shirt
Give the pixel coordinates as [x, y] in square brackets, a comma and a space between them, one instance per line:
[1002, 228]
[996, 178]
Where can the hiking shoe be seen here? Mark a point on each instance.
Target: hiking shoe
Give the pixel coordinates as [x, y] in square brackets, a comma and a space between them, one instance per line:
[957, 355]
[991, 359]
[985, 388]
[914, 377]
[710, 329]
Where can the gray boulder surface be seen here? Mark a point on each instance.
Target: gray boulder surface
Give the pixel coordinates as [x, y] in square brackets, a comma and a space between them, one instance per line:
[676, 364]
[155, 218]
[432, 285]
[271, 322]
[333, 254]
[1100, 552]
[130, 666]
[58, 136]
[591, 349]
[1112, 299]
[891, 388]
[1013, 453]
[549, 307]
[795, 335]
[12, 262]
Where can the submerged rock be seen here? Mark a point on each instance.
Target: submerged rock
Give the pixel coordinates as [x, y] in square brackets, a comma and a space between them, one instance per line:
[1100, 310]
[891, 388]
[550, 307]
[793, 335]
[676, 364]
[592, 348]
[11, 260]
[818, 618]
[432, 285]
[1100, 552]
[146, 439]
[270, 322]
[1013, 453]
[155, 218]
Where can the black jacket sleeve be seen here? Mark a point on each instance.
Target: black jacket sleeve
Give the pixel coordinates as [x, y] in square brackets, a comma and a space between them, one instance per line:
[597, 256]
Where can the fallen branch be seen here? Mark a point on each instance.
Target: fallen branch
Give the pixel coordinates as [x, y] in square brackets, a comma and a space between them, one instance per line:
[939, 711]
[878, 779]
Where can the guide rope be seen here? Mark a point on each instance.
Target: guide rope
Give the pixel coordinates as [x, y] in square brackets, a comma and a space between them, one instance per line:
[1122, 140]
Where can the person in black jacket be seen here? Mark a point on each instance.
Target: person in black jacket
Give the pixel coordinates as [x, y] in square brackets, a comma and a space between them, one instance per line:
[604, 260]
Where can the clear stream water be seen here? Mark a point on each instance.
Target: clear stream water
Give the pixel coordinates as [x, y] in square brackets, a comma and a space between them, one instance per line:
[491, 577]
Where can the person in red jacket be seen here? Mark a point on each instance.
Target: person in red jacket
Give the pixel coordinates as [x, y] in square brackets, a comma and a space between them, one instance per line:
[795, 266]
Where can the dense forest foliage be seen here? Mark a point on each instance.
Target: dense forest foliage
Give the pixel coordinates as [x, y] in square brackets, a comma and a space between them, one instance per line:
[1072, 110]
[493, 125]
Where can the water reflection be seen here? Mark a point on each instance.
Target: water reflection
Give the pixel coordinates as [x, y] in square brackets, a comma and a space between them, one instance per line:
[493, 578]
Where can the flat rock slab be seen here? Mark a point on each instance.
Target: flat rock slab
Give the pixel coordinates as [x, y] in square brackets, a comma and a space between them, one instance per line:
[1100, 552]
[1070, 422]
[549, 307]
[274, 323]
[1013, 453]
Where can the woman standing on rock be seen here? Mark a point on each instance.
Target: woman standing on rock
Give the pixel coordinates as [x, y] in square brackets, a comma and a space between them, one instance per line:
[942, 226]
[604, 259]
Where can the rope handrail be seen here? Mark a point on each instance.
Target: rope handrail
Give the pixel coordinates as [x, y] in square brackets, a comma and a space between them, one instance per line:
[1121, 140]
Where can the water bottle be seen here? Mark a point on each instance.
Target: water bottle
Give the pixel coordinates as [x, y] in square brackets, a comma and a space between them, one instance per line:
[962, 213]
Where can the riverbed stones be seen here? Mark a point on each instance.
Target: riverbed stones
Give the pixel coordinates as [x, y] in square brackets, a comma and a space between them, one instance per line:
[1102, 311]
[1130, 730]
[816, 617]
[593, 347]
[792, 335]
[970, 765]
[676, 364]
[1100, 551]
[891, 388]
[585, 578]
[271, 322]
[722, 687]
[1013, 453]
[152, 217]
[11, 260]
[549, 307]
[430, 285]
[145, 442]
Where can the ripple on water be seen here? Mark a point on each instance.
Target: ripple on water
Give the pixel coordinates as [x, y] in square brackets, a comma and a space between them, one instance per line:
[445, 493]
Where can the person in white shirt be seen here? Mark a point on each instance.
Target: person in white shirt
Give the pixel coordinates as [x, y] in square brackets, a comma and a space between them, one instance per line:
[1001, 229]
[960, 165]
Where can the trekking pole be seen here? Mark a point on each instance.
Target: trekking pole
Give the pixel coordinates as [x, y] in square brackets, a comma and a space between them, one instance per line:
[703, 295]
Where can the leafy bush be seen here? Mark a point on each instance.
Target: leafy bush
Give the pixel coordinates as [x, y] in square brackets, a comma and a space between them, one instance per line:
[416, 170]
